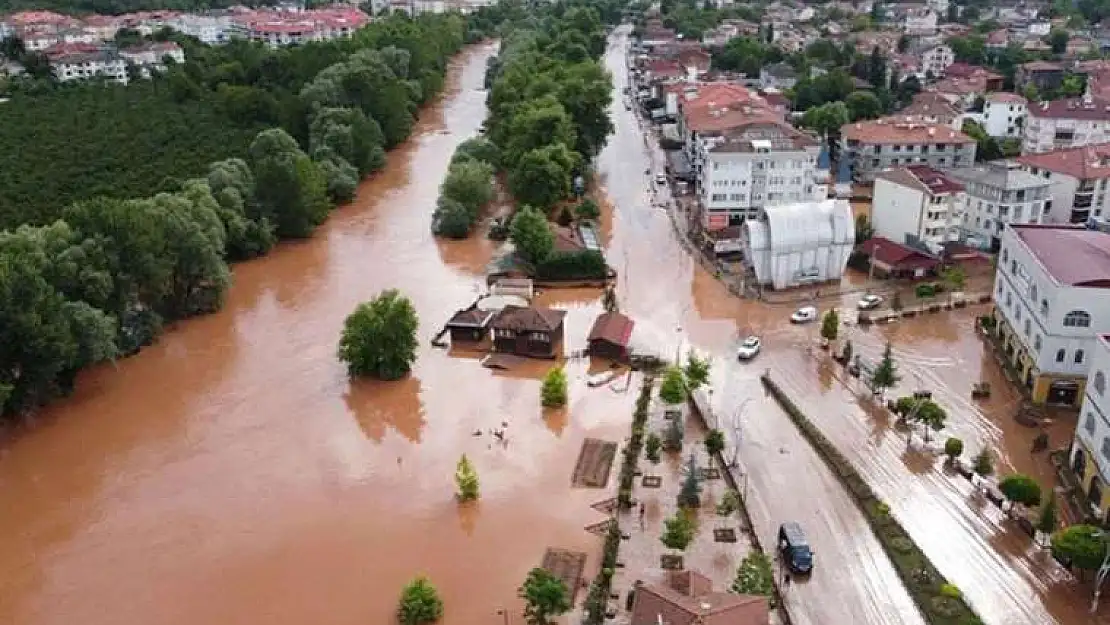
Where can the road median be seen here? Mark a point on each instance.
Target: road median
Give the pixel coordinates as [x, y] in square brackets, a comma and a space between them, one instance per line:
[940, 602]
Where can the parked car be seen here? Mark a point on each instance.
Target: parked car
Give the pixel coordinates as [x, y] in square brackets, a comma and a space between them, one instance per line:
[661, 179]
[794, 548]
[869, 302]
[749, 348]
[804, 315]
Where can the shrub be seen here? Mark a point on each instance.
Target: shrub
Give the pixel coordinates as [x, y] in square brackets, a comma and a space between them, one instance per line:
[984, 464]
[580, 265]
[1021, 489]
[951, 591]
[553, 394]
[924, 291]
[678, 531]
[420, 603]
[466, 479]
[754, 576]
[673, 389]
[588, 209]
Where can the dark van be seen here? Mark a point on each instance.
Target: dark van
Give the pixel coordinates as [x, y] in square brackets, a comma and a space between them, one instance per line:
[794, 549]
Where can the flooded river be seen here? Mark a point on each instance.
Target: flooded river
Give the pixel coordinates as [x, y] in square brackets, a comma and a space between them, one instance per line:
[233, 474]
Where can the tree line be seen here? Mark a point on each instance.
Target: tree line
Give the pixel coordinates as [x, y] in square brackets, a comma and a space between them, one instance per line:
[92, 274]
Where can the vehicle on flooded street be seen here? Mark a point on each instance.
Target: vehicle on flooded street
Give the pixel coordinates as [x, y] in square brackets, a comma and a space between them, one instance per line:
[804, 314]
[794, 548]
[869, 302]
[749, 348]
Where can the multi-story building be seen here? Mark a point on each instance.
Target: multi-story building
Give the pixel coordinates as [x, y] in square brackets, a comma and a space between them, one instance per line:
[917, 205]
[929, 107]
[209, 29]
[1004, 114]
[1090, 448]
[1079, 178]
[1052, 300]
[934, 59]
[920, 22]
[104, 64]
[997, 194]
[151, 57]
[283, 28]
[872, 146]
[1066, 123]
[757, 164]
[799, 244]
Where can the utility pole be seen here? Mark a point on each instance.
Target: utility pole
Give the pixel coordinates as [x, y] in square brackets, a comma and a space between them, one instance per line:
[1103, 571]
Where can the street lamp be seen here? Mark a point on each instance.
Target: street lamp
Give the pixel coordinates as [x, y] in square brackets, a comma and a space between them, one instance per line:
[505, 613]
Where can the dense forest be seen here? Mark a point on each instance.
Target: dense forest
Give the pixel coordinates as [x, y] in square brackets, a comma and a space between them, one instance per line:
[122, 206]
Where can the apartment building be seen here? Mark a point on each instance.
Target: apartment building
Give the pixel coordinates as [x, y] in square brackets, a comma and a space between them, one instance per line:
[1052, 301]
[920, 22]
[105, 64]
[1079, 178]
[872, 146]
[756, 164]
[151, 57]
[1004, 115]
[1068, 123]
[997, 194]
[284, 28]
[934, 58]
[1089, 454]
[917, 205]
[209, 29]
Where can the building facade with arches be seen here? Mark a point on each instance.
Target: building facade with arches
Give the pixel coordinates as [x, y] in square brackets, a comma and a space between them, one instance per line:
[1090, 449]
[1052, 302]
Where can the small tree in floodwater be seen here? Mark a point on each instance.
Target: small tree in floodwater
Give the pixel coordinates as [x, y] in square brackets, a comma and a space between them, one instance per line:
[379, 337]
[545, 597]
[466, 479]
[420, 603]
[553, 393]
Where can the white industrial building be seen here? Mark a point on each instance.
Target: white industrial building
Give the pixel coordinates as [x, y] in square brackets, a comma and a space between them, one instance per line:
[800, 243]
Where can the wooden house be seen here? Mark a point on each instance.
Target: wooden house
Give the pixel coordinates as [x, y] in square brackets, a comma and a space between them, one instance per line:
[529, 331]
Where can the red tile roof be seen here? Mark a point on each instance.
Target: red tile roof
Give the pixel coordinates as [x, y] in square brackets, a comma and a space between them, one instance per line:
[892, 131]
[1072, 255]
[687, 599]
[613, 328]
[1072, 108]
[1084, 163]
[897, 257]
[923, 178]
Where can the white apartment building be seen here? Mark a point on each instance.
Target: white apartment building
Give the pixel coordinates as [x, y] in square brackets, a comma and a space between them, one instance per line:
[84, 65]
[996, 194]
[917, 204]
[1069, 123]
[1052, 300]
[1004, 115]
[152, 56]
[920, 22]
[1080, 177]
[209, 29]
[1089, 456]
[754, 165]
[934, 59]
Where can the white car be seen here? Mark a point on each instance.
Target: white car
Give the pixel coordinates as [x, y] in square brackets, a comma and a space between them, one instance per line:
[868, 302]
[749, 348]
[804, 315]
[660, 179]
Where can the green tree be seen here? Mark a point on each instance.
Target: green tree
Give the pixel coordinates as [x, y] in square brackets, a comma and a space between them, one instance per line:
[469, 183]
[290, 190]
[1058, 39]
[678, 531]
[928, 413]
[554, 391]
[830, 325]
[1021, 489]
[349, 134]
[696, 371]
[984, 463]
[730, 503]
[652, 446]
[754, 576]
[451, 219]
[827, 120]
[863, 105]
[479, 149]
[379, 337]
[864, 229]
[531, 235]
[537, 124]
[953, 447]
[420, 603]
[588, 209]
[1084, 546]
[673, 388]
[542, 177]
[545, 597]
[885, 375]
[672, 437]
[954, 277]
[466, 480]
[714, 442]
[987, 148]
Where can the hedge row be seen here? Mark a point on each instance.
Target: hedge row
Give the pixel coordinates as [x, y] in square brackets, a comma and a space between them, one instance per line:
[598, 598]
[935, 597]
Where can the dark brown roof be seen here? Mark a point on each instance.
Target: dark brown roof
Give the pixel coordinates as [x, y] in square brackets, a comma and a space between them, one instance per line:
[897, 256]
[781, 136]
[922, 178]
[657, 601]
[612, 327]
[1087, 162]
[1072, 255]
[527, 319]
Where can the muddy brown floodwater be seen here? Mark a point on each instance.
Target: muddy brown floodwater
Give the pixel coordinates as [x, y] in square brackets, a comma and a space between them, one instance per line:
[233, 474]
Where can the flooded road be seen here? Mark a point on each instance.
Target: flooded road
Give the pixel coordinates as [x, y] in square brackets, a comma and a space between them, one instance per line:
[233, 474]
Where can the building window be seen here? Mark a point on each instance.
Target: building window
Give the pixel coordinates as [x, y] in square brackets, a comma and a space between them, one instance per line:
[1060, 355]
[1100, 383]
[1037, 343]
[1009, 299]
[1027, 327]
[1044, 307]
[1077, 319]
[1078, 356]
[1005, 256]
[1033, 292]
[1089, 424]
[1106, 447]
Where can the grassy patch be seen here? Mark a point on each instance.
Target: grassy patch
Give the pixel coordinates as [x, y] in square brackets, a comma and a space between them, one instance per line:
[940, 602]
